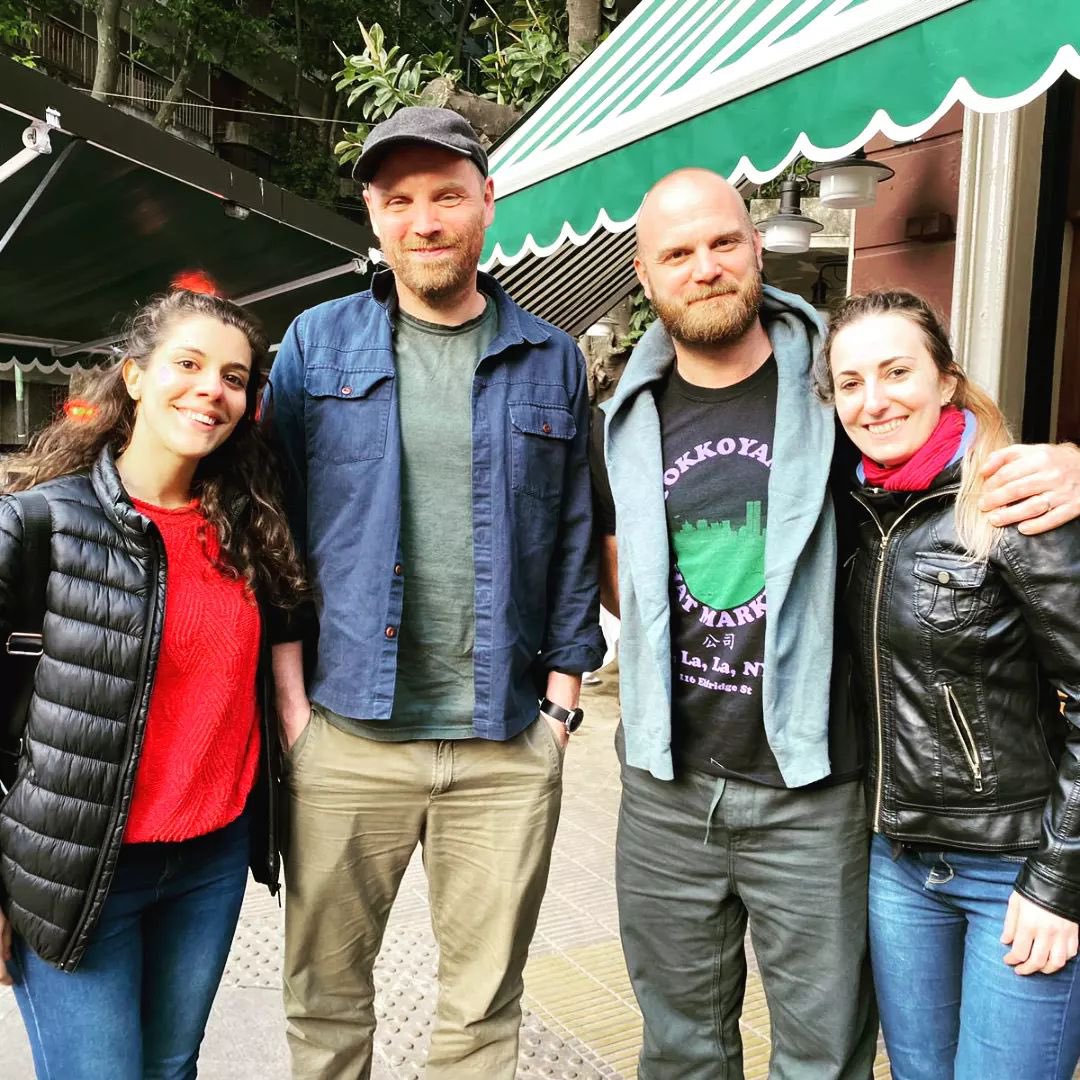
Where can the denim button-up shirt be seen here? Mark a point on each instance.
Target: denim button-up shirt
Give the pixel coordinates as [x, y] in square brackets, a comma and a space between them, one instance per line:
[331, 407]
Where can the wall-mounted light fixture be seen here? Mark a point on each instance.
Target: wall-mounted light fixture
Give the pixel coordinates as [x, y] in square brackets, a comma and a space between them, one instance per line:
[788, 231]
[851, 182]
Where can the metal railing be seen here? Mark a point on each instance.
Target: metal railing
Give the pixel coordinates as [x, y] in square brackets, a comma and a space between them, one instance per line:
[74, 52]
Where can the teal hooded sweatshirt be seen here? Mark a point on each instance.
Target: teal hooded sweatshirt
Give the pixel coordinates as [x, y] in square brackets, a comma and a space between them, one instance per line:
[800, 552]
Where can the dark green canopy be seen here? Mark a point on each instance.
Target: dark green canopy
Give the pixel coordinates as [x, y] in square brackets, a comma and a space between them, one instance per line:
[126, 208]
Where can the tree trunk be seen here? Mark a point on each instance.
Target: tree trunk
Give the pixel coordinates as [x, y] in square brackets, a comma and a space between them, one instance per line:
[294, 124]
[107, 70]
[459, 33]
[176, 92]
[339, 102]
[583, 27]
[488, 118]
[331, 94]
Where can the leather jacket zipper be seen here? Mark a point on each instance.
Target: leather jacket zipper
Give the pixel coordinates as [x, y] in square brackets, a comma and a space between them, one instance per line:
[879, 579]
[158, 556]
[965, 735]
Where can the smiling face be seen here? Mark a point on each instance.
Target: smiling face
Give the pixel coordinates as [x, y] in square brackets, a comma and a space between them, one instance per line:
[699, 258]
[429, 209]
[192, 390]
[889, 391]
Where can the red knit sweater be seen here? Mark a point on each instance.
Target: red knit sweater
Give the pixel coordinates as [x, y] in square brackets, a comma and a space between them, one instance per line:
[201, 746]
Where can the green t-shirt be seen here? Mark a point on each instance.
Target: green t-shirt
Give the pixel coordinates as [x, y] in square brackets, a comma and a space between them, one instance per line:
[434, 695]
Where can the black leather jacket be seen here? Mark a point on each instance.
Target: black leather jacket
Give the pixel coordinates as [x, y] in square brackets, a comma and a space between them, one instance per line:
[62, 823]
[957, 668]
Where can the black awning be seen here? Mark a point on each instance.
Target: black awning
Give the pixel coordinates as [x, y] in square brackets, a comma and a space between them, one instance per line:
[129, 207]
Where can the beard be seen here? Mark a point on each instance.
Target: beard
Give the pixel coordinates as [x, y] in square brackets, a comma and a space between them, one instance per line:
[702, 318]
[434, 280]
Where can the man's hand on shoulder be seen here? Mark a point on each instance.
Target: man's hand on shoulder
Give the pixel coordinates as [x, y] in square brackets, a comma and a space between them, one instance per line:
[1036, 487]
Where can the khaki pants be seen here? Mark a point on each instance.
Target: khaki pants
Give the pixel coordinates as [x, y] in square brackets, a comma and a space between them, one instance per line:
[485, 813]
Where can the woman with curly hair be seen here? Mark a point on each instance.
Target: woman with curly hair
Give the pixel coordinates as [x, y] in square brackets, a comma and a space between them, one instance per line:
[145, 786]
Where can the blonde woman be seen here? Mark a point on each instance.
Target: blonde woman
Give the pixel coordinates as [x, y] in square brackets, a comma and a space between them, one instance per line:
[962, 635]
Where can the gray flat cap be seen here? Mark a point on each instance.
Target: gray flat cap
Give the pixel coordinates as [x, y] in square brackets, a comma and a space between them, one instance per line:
[434, 126]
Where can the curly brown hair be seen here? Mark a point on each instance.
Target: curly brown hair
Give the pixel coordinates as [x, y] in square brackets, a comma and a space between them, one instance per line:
[237, 485]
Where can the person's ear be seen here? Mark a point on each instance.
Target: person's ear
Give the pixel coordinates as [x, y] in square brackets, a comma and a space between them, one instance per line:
[132, 375]
[948, 389]
[366, 193]
[643, 277]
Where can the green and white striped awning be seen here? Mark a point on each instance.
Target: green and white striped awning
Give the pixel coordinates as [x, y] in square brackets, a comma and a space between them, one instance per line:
[744, 86]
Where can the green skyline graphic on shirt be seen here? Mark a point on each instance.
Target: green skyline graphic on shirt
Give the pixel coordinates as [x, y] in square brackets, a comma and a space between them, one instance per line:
[722, 563]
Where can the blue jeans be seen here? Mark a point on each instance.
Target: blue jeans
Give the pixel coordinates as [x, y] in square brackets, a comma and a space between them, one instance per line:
[136, 1007]
[951, 1009]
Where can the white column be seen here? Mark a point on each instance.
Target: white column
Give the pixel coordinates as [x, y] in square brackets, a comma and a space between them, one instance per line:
[995, 245]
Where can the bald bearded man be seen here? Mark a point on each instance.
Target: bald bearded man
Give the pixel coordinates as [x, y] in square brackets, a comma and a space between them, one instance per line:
[742, 799]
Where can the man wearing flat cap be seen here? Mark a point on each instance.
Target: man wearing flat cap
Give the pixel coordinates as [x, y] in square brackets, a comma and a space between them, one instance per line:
[434, 436]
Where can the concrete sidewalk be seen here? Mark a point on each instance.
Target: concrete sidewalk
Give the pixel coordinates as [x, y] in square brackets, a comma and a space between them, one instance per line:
[581, 1019]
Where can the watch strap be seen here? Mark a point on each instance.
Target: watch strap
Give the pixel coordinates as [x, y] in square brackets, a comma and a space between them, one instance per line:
[556, 712]
[571, 718]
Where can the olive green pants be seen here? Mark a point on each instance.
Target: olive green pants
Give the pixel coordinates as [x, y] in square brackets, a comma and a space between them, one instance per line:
[485, 813]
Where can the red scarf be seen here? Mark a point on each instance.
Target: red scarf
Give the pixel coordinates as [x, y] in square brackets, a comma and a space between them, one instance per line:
[918, 472]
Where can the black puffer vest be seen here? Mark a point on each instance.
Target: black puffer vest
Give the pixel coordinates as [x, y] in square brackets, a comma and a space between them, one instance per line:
[62, 823]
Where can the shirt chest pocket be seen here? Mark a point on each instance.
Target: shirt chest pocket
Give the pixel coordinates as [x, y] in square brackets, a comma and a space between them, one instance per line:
[540, 437]
[348, 412]
[947, 590]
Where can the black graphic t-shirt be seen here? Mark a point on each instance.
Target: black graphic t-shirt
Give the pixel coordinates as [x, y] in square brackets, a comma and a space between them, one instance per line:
[716, 451]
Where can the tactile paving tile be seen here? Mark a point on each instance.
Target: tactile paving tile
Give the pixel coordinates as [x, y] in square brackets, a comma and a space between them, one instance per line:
[256, 954]
[405, 981]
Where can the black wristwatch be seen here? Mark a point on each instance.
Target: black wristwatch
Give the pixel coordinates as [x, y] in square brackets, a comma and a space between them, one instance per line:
[569, 718]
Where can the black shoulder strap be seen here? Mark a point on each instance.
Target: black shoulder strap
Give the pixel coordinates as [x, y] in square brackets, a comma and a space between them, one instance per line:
[37, 535]
[24, 643]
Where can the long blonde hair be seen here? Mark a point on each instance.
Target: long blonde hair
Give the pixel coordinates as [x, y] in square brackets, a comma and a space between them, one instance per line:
[992, 432]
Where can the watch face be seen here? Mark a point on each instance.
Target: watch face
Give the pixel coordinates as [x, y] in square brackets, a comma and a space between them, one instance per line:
[573, 721]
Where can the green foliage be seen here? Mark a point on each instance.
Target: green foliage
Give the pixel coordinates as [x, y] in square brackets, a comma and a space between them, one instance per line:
[322, 22]
[526, 57]
[304, 165]
[642, 317]
[442, 65]
[380, 81]
[18, 33]
[771, 189]
[205, 30]
[351, 144]
[529, 55]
